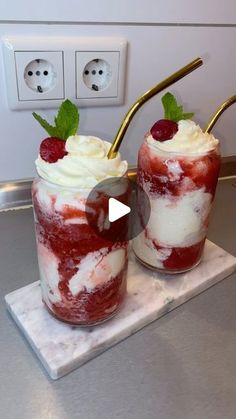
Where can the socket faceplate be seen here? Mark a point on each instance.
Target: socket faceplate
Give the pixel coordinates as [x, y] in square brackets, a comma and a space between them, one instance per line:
[109, 59]
[66, 59]
[32, 83]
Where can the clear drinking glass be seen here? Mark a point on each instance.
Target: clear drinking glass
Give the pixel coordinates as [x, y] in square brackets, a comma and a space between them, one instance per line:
[83, 275]
[181, 190]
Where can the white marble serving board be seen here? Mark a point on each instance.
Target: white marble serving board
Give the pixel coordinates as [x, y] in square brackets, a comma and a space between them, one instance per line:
[62, 348]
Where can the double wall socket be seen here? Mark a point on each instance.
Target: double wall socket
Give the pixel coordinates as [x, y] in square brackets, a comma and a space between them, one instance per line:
[40, 72]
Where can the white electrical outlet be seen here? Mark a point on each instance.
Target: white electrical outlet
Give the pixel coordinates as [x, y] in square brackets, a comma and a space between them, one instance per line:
[42, 71]
[39, 75]
[34, 72]
[100, 72]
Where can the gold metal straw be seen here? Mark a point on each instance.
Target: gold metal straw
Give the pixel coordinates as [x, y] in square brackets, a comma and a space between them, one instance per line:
[145, 97]
[219, 111]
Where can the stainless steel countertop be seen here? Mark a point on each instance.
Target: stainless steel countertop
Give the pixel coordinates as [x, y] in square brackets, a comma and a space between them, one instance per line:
[180, 366]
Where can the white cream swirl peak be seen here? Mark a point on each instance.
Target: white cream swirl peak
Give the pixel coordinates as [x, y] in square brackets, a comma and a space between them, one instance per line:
[189, 139]
[84, 165]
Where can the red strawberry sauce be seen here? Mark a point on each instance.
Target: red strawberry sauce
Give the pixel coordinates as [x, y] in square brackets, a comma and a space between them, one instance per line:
[158, 178]
[70, 243]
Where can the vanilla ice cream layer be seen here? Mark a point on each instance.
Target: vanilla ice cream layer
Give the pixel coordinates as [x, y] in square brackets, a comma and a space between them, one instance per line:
[144, 248]
[85, 165]
[97, 268]
[189, 139]
[51, 199]
[48, 268]
[181, 221]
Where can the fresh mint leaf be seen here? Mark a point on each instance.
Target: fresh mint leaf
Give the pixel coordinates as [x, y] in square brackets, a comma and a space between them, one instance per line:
[169, 103]
[52, 131]
[188, 115]
[67, 119]
[172, 110]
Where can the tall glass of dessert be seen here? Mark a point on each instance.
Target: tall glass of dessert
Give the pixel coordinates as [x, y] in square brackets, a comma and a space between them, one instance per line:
[82, 275]
[178, 168]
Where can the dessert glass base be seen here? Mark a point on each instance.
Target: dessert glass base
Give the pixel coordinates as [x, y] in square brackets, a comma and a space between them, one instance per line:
[85, 324]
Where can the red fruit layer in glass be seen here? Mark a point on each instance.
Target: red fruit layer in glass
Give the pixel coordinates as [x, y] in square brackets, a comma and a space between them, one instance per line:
[91, 307]
[70, 243]
[182, 258]
[196, 172]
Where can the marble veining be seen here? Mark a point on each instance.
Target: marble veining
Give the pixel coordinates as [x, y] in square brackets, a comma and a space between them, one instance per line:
[62, 348]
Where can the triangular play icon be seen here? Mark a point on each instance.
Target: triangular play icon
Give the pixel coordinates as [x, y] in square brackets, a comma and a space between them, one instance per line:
[116, 209]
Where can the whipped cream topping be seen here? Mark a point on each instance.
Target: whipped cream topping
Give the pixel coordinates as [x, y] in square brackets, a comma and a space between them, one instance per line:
[85, 165]
[189, 139]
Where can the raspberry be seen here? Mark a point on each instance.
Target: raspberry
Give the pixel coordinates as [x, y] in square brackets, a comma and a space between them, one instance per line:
[52, 149]
[164, 129]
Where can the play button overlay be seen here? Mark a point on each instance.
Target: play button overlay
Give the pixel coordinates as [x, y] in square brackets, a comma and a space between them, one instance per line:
[117, 209]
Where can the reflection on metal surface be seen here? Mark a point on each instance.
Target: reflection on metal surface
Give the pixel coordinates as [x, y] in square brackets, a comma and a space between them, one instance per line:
[15, 194]
[132, 172]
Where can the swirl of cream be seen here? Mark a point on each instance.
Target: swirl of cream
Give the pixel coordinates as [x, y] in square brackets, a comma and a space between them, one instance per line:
[85, 165]
[189, 139]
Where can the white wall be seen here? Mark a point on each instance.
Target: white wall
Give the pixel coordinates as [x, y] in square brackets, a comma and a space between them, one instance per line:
[154, 52]
[152, 11]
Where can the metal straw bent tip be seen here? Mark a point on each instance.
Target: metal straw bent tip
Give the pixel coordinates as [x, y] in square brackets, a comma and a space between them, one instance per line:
[226, 104]
[145, 97]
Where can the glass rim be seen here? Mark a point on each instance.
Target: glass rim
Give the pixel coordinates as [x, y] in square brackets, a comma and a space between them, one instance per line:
[80, 188]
